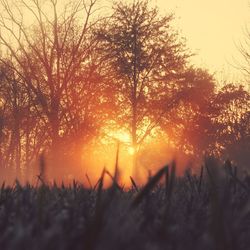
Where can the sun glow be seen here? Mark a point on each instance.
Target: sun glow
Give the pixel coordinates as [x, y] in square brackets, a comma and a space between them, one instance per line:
[122, 136]
[104, 156]
[131, 150]
[124, 140]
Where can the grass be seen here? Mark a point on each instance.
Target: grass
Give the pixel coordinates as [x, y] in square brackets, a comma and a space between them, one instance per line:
[210, 210]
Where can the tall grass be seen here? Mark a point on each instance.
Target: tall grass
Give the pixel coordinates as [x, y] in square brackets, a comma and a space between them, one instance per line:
[209, 210]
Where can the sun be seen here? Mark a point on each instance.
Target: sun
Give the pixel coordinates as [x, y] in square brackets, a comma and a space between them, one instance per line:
[122, 136]
[112, 140]
[124, 139]
[131, 150]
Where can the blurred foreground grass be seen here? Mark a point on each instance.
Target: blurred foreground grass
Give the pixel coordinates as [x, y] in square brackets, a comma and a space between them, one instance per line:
[209, 210]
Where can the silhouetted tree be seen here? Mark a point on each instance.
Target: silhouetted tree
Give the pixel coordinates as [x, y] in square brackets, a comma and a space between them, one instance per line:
[243, 63]
[146, 55]
[53, 59]
[233, 123]
[13, 110]
[215, 122]
[190, 123]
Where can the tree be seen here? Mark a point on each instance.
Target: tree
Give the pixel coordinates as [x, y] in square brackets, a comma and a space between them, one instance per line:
[215, 122]
[190, 123]
[22, 136]
[147, 57]
[244, 49]
[12, 105]
[233, 124]
[52, 58]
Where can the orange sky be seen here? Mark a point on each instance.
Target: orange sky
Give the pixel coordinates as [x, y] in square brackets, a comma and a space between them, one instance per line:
[212, 28]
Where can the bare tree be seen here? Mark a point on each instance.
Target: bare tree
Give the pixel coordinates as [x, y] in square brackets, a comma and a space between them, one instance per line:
[243, 63]
[49, 56]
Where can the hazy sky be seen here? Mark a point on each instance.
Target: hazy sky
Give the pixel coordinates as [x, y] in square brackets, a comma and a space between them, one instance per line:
[212, 28]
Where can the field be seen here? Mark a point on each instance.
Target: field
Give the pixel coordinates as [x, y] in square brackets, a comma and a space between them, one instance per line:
[209, 210]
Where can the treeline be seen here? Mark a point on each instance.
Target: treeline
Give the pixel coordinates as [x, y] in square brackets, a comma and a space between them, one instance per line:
[77, 69]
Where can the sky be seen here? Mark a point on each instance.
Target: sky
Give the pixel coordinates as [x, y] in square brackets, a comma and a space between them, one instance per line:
[213, 29]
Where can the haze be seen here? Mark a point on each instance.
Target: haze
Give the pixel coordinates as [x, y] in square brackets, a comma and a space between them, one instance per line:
[212, 28]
